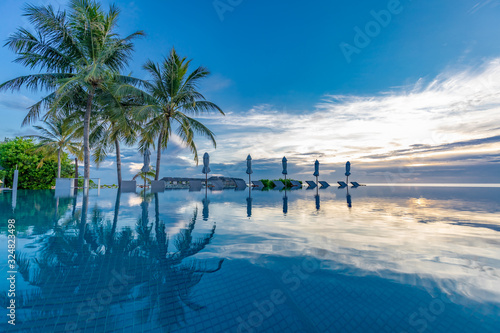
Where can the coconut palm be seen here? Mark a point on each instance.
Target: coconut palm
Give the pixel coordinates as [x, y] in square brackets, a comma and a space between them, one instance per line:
[169, 98]
[114, 124]
[78, 50]
[56, 137]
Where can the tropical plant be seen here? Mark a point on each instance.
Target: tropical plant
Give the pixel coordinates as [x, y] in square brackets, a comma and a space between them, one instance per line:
[269, 183]
[170, 98]
[24, 154]
[56, 137]
[3, 173]
[79, 50]
[145, 176]
[114, 124]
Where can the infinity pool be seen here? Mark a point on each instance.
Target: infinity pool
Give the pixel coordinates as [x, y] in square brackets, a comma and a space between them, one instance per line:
[373, 259]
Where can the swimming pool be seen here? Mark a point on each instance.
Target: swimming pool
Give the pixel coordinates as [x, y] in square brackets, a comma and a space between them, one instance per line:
[374, 259]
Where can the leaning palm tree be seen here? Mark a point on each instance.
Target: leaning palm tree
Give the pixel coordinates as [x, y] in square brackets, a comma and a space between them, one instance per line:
[78, 50]
[170, 97]
[55, 138]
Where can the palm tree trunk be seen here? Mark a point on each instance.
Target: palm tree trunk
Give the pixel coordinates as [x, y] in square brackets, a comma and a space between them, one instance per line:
[118, 162]
[86, 129]
[158, 156]
[59, 163]
[115, 216]
[83, 220]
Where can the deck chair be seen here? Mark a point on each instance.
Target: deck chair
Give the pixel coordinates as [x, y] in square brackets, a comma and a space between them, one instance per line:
[240, 184]
[310, 184]
[217, 185]
[194, 185]
[324, 184]
[296, 183]
[257, 184]
[278, 185]
[342, 184]
[129, 186]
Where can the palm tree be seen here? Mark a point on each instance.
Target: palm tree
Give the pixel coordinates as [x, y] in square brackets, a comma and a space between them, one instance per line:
[115, 124]
[56, 137]
[78, 49]
[170, 97]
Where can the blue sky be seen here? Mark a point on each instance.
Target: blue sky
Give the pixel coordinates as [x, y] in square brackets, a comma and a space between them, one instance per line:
[418, 101]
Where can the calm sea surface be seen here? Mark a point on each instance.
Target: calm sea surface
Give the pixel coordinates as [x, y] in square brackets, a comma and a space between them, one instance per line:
[371, 259]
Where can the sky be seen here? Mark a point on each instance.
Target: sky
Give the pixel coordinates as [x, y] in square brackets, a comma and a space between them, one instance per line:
[407, 91]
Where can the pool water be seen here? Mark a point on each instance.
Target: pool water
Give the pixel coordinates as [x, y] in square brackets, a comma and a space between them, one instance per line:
[371, 259]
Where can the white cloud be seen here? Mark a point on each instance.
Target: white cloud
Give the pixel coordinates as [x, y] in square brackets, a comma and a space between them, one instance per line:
[454, 107]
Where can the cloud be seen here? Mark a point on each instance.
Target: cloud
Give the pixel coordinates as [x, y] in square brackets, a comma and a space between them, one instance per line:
[216, 82]
[481, 4]
[413, 133]
[455, 114]
[16, 102]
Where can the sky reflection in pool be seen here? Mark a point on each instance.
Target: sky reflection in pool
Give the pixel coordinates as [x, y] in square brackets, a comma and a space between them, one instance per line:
[422, 248]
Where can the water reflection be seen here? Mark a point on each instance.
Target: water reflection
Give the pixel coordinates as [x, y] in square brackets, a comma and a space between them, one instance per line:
[439, 241]
[285, 203]
[205, 212]
[86, 270]
[348, 198]
[249, 202]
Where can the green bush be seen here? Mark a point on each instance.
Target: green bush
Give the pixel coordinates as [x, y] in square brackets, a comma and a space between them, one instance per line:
[22, 152]
[269, 183]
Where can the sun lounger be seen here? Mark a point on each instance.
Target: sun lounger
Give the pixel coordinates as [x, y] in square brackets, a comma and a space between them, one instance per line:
[311, 184]
[194, 185]
[257, 184]
[356, 184]
[296, 183]
[342, 184]
[157, 186]
[217, 185]
[128, 186]
[278, 185]
[324, 184]
[240, 184]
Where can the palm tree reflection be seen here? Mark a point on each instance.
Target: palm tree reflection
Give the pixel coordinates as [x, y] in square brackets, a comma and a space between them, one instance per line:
[77, 266]
[167, 287]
